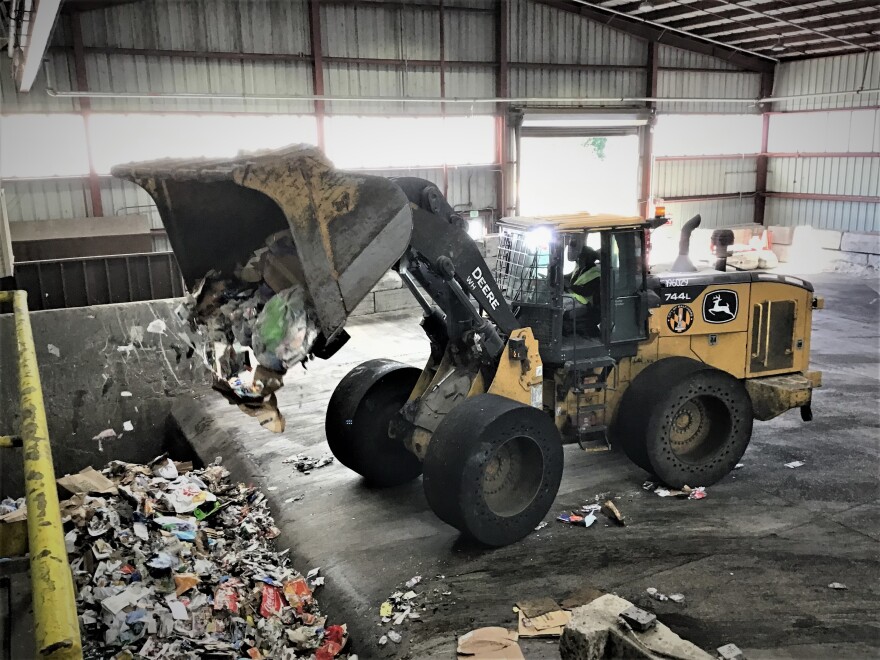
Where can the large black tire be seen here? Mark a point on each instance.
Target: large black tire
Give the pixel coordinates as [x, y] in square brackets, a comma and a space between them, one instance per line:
[358, 417]
[684, 421]
[492, 468]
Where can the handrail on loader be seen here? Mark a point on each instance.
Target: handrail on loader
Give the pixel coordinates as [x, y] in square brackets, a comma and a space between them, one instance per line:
[56, 627]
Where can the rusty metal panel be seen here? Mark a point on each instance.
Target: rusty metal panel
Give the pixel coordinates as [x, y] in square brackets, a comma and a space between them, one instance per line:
[680, 178]
[829, 74]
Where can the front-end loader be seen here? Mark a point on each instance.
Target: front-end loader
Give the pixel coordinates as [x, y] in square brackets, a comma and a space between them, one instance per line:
[672, 368]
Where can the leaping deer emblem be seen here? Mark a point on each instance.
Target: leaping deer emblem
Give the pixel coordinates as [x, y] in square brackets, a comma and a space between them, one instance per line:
[717, 307]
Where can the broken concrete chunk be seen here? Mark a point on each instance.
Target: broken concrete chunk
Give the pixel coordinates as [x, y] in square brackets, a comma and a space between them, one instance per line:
[640, 620]
[730, 652]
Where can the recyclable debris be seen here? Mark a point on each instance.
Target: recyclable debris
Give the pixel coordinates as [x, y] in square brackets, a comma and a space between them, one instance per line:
[255, 324]
[492, 643]
[613, 513]
[127, 426]
[394, 636]
[157, 327]
[685, 492]
[794, 464]
[179, 563]
[837, 585]
[54, 350]
[306, 464]
[413, 581]
[541, 525]
[12, 510]
[125, 393]
[738, 466]
[106, 434]
[658, 595]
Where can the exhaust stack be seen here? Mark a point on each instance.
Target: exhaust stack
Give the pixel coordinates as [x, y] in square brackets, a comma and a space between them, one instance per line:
[683, 263]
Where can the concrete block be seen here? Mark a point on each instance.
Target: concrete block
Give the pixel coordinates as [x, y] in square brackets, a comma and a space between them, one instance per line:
[390, 280]
[781, 235]
[867, 243]
[594, 633]
[806, 237]
[782, 252]
[730, 652]
[389, 301]
[835, 258]
[366, 306]
[874, 261]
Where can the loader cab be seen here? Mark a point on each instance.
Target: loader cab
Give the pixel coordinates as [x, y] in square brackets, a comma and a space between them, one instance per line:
[537, 260]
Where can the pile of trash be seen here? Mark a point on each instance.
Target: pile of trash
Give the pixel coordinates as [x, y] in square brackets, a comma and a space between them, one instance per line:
[586, 515]
[257, 323]
[171, 562]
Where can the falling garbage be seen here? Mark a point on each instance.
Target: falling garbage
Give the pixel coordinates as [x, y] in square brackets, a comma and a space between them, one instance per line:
[171, 562]
[106, 434]
[794, 464]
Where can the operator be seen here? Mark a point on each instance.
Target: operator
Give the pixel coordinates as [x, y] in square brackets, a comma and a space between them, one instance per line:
[583, 285]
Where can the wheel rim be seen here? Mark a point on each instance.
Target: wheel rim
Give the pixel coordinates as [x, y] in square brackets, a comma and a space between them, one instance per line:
[699, 428]
[512, 476]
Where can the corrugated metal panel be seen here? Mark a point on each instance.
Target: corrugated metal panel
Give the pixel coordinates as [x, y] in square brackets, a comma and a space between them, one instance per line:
[469, 36]
[470, 187]
[121, 197]
[829, 74]
[679, 178]
[677, 58]
[542, 34]
[46, 199]
[370, 80]
[715, 212]
[825, 176]
[858, 131]
[582, 85]
[37, 100]
[469, 82]
[276, 26]
[137, 73]
[697, 84]
[842, 216]
[359, 31]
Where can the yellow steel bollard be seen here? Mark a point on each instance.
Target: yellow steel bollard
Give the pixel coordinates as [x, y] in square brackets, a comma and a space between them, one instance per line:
[56, 626]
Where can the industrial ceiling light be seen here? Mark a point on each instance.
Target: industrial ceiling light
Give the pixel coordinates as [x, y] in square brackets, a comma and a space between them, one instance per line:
[778, 47]
[646, 5]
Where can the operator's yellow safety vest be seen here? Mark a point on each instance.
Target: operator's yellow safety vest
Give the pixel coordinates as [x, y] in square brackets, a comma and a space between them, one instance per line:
[582, 279]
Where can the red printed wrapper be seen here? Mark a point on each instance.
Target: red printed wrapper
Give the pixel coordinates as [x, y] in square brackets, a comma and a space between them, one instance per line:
[226, 598]
[297, 593]
[272, 601]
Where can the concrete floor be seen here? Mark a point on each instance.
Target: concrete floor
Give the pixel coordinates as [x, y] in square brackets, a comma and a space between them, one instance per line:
[753, 559]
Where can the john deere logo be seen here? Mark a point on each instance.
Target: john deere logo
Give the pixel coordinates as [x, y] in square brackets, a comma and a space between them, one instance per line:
[720, 306]
[680, 318]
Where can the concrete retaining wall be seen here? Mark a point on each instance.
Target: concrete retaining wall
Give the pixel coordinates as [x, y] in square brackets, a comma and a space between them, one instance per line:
[83, 385]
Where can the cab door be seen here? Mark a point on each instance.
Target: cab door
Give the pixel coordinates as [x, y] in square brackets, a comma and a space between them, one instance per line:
[625, 303]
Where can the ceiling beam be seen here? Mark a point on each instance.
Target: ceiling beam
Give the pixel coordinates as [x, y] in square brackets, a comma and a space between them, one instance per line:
[749, 39]
[708, 26]
[40, 30]
[860, 44]
[657, 34]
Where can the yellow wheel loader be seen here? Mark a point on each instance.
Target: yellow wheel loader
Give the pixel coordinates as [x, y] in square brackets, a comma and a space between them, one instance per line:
[671, 368]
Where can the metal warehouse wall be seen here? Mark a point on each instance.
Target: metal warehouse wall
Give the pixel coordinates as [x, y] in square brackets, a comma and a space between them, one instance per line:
[829, 176]
[249, 47]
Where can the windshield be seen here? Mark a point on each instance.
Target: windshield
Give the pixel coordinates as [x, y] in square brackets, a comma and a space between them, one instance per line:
[523, 265]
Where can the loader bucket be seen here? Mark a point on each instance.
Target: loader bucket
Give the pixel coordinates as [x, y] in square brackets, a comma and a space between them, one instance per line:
[348, 229]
